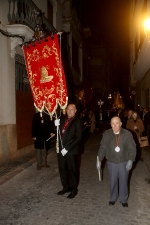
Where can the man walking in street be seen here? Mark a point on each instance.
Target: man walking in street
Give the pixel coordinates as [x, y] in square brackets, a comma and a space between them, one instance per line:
[119, 148]
[70, 137]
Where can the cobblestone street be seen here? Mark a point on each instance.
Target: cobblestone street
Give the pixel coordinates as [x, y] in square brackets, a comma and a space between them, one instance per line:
[30, 197]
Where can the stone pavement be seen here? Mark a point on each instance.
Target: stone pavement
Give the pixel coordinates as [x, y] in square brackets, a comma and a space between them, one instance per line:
[29, 197]
[11, 168]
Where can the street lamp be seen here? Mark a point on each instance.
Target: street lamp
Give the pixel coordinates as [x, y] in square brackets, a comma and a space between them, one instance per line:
[100, 103]
[109, 97]
[147, 27]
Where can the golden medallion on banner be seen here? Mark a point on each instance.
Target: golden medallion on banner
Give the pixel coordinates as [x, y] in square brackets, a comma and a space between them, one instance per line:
[44, 75]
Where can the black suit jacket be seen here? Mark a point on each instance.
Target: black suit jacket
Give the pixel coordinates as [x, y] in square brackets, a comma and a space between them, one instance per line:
[42, 130]
[72, 135]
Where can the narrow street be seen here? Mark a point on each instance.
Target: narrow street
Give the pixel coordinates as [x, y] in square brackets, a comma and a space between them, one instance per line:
[30, 197]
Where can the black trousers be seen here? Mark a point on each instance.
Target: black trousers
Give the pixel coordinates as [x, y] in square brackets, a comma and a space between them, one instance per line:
[68, 170]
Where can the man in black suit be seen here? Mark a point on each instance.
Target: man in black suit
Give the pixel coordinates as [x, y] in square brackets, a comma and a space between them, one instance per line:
[42, 129]
[70, 137]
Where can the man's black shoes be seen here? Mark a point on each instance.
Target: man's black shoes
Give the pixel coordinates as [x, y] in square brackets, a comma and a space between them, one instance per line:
[125, 204]
[111, 203]
[72, 195]
[62, 192]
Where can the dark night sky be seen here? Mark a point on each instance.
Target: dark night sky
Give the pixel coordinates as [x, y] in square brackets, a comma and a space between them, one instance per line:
[107, 18]
[109, 22]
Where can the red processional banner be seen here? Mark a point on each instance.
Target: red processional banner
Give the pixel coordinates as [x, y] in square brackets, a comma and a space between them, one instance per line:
[46, 74]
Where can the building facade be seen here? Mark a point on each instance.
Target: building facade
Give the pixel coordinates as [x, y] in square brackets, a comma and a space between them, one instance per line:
[139, 53]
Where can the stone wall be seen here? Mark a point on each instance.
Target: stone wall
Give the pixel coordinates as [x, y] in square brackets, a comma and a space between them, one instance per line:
[8, 143]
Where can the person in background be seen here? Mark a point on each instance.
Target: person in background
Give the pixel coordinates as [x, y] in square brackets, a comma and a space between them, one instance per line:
[146, 115]
[136, 126]
[100, 121]
[103, 118]
[69, 139]
[146, 121]
[145, 111]
[86, 125]
[140, 112]
[119, 148]
[108, 126]
[120, 114]
[42, 130]
[126, 118]
[92, 119]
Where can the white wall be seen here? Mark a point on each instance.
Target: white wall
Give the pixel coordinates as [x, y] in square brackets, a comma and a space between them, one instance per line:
[7, 74]
[7, 84]
[8, 144]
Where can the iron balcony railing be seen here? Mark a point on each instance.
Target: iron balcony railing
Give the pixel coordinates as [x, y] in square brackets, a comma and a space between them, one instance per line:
[21, 12]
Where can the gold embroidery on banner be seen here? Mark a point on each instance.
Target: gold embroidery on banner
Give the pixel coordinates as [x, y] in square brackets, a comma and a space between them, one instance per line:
[44, 75]
[57, 71]
[60, 85]
[35, 55]
[46, 51]
[48, 91]
[50, 95]
[32, 78]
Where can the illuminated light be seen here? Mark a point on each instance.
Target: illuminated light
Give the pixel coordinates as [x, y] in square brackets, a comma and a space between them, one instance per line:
[109, 97]
[147, 24]
[147, 27]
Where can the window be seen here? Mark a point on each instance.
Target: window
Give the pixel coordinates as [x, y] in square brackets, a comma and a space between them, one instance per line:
[21, 77]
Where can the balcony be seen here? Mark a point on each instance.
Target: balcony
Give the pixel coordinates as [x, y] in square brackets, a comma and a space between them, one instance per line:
[21, 12]
[23, 19]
